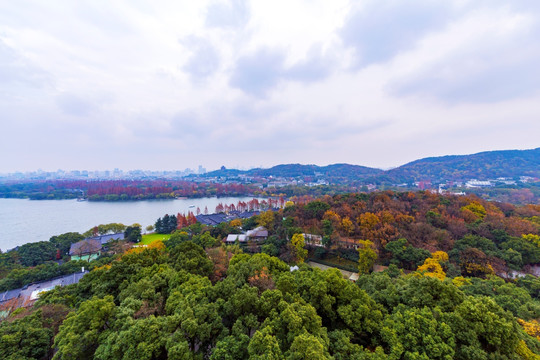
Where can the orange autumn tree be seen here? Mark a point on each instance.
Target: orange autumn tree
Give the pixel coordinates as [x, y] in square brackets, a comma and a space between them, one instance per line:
[262, 280]
[235, 223]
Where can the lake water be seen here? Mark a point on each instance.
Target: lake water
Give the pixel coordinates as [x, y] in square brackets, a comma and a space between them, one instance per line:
[23, 221]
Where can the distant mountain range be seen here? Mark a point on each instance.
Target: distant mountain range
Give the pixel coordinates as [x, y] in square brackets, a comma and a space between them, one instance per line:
[481, 166]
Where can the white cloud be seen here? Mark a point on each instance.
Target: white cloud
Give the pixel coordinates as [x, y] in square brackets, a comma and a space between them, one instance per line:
[181, 83]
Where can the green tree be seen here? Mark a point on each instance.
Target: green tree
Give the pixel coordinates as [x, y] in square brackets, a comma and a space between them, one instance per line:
[63, 242]
[264, 346]
[205, 240]
[307, 347]
[191, 257]
[481, 327]
[406, 255]
[195, 317]
[231, 348]
[81, 332]
[417, 334]
[25, 338]
[33, 254]
[133, 233]
[176, 238]
[316, 209]
[142, 339]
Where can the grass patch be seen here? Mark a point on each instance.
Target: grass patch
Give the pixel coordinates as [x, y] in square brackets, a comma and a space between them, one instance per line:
[147, 239]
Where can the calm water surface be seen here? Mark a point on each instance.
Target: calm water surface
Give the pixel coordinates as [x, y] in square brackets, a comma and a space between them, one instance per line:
[23, 221]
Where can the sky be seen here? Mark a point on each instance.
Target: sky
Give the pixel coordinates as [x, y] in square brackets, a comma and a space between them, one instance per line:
[164, 85]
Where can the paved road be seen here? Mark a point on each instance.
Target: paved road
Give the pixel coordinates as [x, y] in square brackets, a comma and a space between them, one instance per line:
[346, 274]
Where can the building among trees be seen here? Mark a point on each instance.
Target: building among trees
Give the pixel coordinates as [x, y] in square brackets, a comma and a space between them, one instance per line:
[89, 249]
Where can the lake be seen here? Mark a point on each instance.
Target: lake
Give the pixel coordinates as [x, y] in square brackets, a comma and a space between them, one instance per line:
[23, 221]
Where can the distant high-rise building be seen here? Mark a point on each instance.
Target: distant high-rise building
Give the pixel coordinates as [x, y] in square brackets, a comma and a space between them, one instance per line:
[201, 170]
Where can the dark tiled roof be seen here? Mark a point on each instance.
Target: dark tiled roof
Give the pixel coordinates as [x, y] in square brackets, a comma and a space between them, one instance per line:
[212, 219]
[85, 247]
[257, 232]
[215, 219]
[51, 283]
[106, 238]
[72, 279]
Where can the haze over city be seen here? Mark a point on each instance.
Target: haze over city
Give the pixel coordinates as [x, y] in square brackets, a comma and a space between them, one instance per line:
[135, 85]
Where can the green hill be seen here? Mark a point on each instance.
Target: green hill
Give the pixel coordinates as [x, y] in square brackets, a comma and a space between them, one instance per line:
[484, 165]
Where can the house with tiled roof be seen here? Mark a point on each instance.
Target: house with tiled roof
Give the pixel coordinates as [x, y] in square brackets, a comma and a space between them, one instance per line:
[258, 234]
[104, 239]
[313, 240]
[87, 250]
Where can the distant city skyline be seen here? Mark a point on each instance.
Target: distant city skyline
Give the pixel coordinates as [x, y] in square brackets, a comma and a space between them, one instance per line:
[197, 169]
[141, 85]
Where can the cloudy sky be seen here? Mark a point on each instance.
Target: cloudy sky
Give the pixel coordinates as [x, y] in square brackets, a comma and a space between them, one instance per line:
[174, 84]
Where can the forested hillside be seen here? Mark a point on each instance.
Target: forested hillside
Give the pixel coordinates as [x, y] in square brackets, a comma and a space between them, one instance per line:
[438, 297]
[520, 170]
[484, 165]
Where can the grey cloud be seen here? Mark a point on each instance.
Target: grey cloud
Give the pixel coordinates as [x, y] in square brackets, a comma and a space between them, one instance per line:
[187, 124]
[315, 67]
[233, 13]
[497, 70]
[205, 59]
[74, 105]
[15, 69]
[257, 73]
[328, 129]
[383, 29]
[494, 83]
[253, 111]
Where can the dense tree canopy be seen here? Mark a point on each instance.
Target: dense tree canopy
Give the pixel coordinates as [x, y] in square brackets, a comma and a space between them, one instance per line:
[192, 298]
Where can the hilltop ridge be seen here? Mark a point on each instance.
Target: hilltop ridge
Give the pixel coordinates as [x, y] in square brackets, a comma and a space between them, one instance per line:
[482, 166]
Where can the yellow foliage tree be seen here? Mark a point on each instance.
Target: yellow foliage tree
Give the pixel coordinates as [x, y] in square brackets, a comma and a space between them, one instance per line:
[266, 219]
[298, 242]
[104, 267]
[474, 211]
[347, 226]
[368, 220]
[236, 223]
[432, 266]
[332, 216]
[459, 281]
[532, 328]
[535, 239]
[366, 256]
[158, 244]
[524, 352]
[440, 256]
